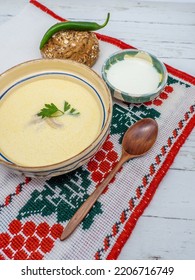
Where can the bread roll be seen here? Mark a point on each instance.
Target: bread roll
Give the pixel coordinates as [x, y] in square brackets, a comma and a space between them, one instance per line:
[80, 46]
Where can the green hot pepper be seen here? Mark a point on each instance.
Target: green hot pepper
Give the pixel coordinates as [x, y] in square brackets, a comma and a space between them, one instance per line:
[72, 25]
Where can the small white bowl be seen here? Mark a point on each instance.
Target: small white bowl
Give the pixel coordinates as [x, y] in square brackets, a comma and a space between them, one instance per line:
[130, 97]
[27, 71]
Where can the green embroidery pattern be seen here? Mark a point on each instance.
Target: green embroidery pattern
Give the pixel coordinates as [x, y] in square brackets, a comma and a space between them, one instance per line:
[62, 195]
[123, 118]
[172, 81]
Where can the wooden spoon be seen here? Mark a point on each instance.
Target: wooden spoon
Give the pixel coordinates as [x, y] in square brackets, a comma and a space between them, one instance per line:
[137, 141]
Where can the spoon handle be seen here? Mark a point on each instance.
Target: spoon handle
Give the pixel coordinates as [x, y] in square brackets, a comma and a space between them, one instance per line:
[88, 204]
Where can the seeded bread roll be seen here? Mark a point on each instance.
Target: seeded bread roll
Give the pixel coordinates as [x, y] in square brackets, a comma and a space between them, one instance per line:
[81, 46]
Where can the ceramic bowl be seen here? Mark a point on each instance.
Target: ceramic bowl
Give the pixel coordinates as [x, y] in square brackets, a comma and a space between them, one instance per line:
[24, 73]
[129, 96]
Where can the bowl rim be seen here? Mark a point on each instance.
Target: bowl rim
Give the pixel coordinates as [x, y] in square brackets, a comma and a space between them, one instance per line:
[117, 90]
[101, 134]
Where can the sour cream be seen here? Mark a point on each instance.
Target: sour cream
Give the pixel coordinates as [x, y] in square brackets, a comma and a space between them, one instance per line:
[28, 140]
[135, 76]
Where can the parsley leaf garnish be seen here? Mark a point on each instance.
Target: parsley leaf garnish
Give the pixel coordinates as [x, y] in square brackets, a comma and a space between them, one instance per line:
[51, 110]
[67, 106]
[74, 111]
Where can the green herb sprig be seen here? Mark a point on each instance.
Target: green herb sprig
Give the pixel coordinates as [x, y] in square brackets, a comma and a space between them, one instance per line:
[52, 111]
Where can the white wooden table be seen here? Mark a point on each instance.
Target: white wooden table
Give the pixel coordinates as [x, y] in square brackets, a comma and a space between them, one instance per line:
[166, 29]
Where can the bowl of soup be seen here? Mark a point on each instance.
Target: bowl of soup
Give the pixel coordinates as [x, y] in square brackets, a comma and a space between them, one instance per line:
[134, 76]
[54, 116]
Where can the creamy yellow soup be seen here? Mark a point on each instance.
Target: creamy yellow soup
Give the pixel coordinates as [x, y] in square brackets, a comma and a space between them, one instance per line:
[28, 140]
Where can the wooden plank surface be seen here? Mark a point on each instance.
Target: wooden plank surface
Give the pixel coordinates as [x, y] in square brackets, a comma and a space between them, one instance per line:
[166, 29]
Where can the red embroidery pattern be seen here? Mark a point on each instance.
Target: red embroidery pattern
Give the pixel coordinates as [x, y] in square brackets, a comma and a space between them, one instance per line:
[46, 10]
[163, 96]
[28, 241]
[18, 190]
[103, 162]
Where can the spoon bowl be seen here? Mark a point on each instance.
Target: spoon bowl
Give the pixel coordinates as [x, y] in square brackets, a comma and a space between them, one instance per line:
[140, 137]
[137, 141]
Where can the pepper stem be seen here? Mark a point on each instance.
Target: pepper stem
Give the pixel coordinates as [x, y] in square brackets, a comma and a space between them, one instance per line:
[107, 20]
